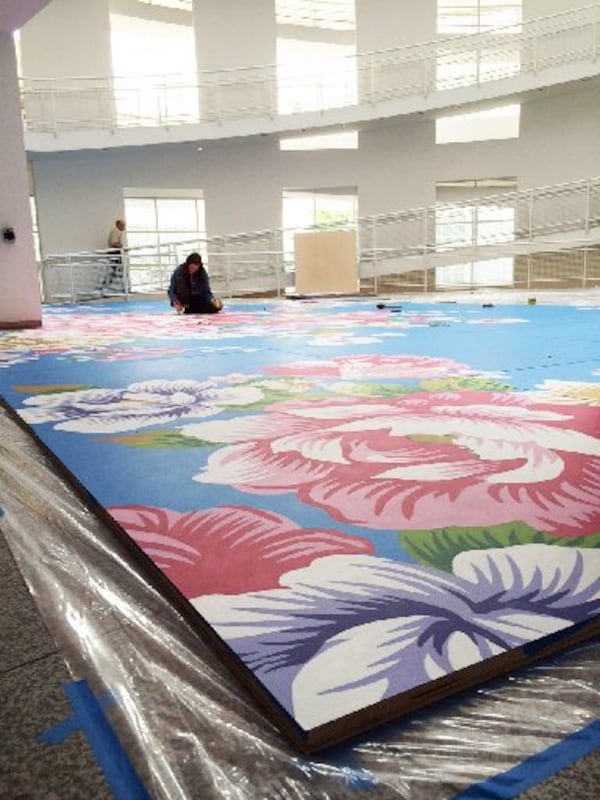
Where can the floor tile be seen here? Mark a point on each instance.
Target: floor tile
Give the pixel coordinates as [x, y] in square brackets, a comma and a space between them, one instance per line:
[31, 702]
[23, 635]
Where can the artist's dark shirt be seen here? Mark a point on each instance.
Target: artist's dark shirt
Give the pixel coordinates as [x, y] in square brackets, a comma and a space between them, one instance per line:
[183, 286]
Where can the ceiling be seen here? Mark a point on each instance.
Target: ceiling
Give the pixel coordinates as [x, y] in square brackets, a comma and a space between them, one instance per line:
[15, 13]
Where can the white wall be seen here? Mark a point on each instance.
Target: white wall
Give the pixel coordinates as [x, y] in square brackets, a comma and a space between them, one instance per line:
[389, 23]
[19, 287]
[397, 167]
[544, 8]
[234, 33]
[67, 38]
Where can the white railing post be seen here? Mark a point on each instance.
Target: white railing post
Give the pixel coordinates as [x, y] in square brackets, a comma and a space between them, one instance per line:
[72, 279]
[588, 207]
[125, 273]
[425, 228]
[228, 274]
[426, 70]
[54, 116]
[530, 214]
[277, 247]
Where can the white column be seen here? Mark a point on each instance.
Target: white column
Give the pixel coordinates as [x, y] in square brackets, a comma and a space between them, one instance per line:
[393, 23]
[20, 303]
[235, 33]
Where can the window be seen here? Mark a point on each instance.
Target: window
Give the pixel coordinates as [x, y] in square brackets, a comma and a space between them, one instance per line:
[469, 224]
[182, 5]
[161, 231]
[493, 272]
[303, 210]
[150, 91]
[332, 14]
[344, 140]
[474, 16]
[501, 122]
[315, 75]
[499, 57]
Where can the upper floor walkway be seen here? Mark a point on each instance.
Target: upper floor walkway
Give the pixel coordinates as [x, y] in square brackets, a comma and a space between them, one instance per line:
[72, 113]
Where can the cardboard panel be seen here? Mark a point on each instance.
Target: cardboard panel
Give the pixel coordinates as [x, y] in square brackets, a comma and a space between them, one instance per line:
[326, 262]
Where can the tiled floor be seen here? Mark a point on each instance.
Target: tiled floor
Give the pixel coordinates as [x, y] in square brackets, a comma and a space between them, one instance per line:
[32, 701]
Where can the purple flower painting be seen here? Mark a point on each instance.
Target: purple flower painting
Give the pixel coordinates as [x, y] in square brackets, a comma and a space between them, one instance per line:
[349, 631]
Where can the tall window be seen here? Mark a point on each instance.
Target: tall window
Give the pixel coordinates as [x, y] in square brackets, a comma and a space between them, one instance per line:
[316, 54]
[331, 14]
[474, 223]
[154, 64]
[303, 210]
[315, 75]
[474, 16]
[161, 231]
[182, 5]
[498, 58]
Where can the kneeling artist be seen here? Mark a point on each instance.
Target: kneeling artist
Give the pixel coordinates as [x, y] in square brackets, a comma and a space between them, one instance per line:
[189, 290]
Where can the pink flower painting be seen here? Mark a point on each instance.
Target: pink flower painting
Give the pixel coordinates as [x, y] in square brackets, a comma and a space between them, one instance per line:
[229, 549]
[420, 461]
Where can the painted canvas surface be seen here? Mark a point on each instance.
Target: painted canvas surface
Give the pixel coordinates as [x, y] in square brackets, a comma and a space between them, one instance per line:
[358, 501]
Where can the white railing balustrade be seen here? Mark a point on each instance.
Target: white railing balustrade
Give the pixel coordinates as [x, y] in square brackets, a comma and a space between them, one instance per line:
[544, 236]
[52, 105]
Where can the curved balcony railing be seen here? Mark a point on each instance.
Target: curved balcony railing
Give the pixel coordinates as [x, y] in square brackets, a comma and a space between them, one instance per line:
[361, 82]
[550, 236]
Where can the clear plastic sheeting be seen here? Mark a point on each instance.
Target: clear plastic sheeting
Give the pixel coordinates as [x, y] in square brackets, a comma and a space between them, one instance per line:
[190, 729]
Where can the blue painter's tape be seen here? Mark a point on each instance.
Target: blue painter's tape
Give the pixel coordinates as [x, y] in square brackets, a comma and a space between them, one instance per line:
[58, 733]
[62, 730]
[537, 768]
[118, 770]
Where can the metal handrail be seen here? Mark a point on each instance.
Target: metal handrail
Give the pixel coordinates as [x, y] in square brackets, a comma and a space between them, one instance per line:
[255, 92]
[559, 218]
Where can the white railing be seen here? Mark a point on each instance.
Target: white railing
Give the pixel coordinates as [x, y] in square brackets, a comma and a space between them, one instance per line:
[52, 105]
[553, 239]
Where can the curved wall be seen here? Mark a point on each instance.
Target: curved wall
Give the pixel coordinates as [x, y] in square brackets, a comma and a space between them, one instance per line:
[396, 166]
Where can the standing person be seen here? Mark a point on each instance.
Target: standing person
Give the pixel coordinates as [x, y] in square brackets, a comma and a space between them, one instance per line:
[116, 238]
[189, 290]
[116, 246]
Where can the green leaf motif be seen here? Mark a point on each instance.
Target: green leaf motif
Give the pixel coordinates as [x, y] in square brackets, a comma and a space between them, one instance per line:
[371, 389]
[52, 388]
[458, 383]
[272, 396]
[158, 440]
[437, 548]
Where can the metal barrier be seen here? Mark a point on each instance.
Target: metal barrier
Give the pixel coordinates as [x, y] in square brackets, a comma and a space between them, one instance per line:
[52, 105]
[550, 235]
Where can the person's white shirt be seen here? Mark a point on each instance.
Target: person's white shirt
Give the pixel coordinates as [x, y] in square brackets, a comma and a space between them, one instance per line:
[116, 238]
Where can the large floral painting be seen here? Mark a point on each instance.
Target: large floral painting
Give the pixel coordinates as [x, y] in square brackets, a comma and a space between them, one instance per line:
[360, 504]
